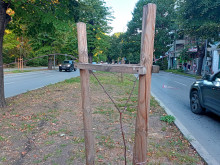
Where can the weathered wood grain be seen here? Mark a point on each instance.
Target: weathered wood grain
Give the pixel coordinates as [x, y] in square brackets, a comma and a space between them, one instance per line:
[146, 59]
[120, 68]
[84, 79]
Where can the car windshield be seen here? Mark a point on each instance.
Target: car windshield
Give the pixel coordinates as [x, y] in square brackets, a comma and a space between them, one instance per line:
[67, 62]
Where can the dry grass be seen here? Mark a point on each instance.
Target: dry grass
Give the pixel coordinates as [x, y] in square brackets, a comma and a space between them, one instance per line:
[45, 127]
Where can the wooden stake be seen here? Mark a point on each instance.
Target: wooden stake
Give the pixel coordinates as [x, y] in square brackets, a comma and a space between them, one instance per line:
[18, 64]
[22, 64]
[84, 78]
[146, 60]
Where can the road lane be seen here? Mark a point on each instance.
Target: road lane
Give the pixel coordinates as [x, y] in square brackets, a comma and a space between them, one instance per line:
[173, 92]
[18, 83]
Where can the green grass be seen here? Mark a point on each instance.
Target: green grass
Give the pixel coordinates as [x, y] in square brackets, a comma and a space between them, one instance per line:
[3, 159]
[22, 71]
[2, 138]
[168, 118]
[47, 156]
[50, 142]
[53, 133]
[106, 141]
[72, 80]
[104, 111]
[78, 140]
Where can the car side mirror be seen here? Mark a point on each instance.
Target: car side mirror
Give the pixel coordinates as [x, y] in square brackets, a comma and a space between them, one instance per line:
[207, 77]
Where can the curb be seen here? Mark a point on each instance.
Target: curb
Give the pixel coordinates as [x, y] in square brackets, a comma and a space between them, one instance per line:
[181, 74]
[194, 142]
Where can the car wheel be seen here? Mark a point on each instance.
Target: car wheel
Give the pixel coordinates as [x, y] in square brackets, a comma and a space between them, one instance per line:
[195, 103]
[74, 69]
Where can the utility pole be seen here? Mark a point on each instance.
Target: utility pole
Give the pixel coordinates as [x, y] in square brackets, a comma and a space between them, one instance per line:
[204, 71]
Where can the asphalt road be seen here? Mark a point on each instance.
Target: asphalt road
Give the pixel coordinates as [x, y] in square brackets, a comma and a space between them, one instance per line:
[202, 130]
[18, 83]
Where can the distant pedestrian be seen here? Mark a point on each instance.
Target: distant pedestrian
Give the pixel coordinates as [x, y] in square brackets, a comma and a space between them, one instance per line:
[189, 67]
[194, 68]
[185, 66]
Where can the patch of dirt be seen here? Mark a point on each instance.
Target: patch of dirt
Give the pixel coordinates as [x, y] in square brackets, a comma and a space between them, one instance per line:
[45, 126]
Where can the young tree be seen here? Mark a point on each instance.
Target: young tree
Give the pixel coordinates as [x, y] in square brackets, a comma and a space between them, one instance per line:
[200, 19]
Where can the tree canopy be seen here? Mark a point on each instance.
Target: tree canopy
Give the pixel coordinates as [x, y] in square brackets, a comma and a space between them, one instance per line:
[50, 26]
[200, 18]
[164, 25]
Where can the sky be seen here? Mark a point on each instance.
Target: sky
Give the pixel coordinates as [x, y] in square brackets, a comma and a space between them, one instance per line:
[122, 11]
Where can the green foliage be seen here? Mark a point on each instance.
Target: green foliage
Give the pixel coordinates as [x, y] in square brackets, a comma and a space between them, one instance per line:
[164, 25]
[38, 62]
[10, 40]
[163, 63]
[168, 118]
[2, 138]
[96, 15]
[200, 18]
[184, 55]
[50, 27]
[115, 50]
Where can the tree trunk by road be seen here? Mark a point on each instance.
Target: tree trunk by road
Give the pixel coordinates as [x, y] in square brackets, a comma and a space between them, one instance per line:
[201, 54]
[4, 19]
[50, 63]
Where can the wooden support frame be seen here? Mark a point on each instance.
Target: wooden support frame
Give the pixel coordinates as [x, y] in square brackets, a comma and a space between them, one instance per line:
[20, 64]
[120, 68]
[144, 70]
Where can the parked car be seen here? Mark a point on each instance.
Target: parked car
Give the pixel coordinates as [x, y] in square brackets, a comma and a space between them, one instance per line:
[205, 94]
[67, 65]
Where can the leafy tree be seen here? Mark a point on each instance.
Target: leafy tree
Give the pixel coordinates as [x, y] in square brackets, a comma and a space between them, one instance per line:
[200, 19]
[10, 49]
[96, 15]
[47, 25]
[115, 50]
[102, 43]
[36, 19]
[165, 19]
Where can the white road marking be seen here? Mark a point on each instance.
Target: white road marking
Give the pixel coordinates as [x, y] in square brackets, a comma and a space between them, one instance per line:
[180, 83]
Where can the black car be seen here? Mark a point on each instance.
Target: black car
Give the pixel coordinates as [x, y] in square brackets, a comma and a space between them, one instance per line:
[205, 94]
[67, 65]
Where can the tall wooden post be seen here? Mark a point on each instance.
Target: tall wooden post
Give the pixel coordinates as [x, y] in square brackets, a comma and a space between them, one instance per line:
[50, 62]
[18, 63]
[84, 77]
[146, 60]
[22, 64]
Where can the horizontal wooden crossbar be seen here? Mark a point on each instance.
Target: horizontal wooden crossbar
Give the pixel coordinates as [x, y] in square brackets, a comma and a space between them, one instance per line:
[120, 68]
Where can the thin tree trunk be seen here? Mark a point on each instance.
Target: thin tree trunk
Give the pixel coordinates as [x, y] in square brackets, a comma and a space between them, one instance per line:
[4, 19]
